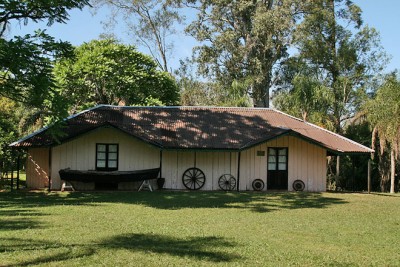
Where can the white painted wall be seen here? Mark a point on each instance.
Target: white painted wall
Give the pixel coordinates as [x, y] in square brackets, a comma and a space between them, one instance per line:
[80, 154]
[305, 161]
[37, 168]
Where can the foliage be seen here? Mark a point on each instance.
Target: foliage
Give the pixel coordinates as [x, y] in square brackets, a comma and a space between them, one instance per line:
[383, 112]
[202, 93]
[8, 131]
[36, 10]
[243, 41]
[150, 22]
[106, 72]
[26, 61]
[198, 229]
[308, 99]
[344, 55]
[26, 81]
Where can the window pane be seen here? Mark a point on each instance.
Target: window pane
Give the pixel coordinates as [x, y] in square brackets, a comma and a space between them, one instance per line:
[112, 156]
[271, 166]
[271, 159]
[282, 159]
[101, 164]
[272, 151]
[282, 166]
[112, 148]
[112, 164]
[101, 155]
[101, 148]
[282, 152]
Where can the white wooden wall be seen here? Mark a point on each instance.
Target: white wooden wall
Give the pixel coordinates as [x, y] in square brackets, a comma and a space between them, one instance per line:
[80, 153]
[37, 168]
[213, 164]
[305, 161]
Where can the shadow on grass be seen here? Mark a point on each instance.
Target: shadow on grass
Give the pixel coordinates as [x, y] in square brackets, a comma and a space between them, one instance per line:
[19, 224]
[41, 251]
[200, 248]
[52, 252]
[172, 200]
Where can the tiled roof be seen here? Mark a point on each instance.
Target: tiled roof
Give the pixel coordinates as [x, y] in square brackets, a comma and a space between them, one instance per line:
[213, 128]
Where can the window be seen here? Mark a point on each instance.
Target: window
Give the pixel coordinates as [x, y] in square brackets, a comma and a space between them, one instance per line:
[277, 159]
[106, 157]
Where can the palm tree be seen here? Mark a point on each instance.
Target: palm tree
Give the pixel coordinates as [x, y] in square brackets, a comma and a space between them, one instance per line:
[383, 112]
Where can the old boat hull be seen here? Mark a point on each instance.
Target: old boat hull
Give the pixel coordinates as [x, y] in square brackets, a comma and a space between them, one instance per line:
[107, 177]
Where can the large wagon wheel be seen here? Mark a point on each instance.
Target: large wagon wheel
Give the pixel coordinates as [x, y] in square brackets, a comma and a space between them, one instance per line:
[227, 182]
[193, 178]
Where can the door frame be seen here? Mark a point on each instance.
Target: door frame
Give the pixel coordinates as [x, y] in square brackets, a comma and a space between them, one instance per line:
[285, 172]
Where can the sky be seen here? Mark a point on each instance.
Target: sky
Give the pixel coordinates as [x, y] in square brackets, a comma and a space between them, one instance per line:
[83, 26]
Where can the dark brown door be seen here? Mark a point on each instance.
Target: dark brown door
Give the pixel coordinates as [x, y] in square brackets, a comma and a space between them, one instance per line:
[277, 168]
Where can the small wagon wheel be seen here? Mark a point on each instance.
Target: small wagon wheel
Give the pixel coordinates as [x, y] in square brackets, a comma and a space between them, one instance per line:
[258, 184]
[298, 185]
[227, 182]
[193, 178]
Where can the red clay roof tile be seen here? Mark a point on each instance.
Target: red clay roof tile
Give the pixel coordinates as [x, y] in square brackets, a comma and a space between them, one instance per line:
[214, 128]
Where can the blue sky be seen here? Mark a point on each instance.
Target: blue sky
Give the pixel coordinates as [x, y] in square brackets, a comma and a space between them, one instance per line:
[83, 27]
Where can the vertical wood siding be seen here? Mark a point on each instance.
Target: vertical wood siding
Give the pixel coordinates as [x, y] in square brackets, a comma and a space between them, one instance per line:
[37, 168]
[80, 154]
[306, 162]
[213, 164]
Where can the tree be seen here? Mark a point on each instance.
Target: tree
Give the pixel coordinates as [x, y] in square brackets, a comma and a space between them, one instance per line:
[36, 10]
[345, 55]
[243, 41]
[205, 93]
[106, 72]
[150, 22]
[26, 61]
[383, 112]
[301, 93]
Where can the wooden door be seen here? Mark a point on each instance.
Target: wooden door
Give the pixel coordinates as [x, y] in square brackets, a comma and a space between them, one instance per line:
[277, 168]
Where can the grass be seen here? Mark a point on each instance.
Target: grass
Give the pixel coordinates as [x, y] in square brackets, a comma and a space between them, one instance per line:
[198, 228]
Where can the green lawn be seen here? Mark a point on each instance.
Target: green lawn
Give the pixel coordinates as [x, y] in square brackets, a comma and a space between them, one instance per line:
[199, 228]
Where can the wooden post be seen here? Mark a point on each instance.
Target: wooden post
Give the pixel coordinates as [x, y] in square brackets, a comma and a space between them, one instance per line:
[49, 174]
[161, 163]
[18, 160]
[337, 171]
[238, 172]
[12, 172]
[369, 176]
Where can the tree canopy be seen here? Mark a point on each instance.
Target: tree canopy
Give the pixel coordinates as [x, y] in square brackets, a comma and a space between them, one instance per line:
[338, 53]
[243, 41]
[107, 72]
[383, 112]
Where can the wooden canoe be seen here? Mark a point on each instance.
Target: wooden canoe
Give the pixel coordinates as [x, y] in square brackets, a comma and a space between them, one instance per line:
[110, 176]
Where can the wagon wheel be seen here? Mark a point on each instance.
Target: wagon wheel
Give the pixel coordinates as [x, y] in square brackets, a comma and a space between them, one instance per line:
[193, 178]
[258, 184]
[227, 182]
[298, 185]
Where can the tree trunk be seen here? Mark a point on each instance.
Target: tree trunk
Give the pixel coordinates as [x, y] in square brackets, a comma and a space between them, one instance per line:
[337, 171]
[392, 170]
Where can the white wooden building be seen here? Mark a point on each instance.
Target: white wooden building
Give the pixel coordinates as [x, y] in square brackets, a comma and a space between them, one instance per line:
[250, 148]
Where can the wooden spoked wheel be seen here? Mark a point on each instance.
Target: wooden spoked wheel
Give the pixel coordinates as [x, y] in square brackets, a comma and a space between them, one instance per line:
[193, 179]
[227, 182]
